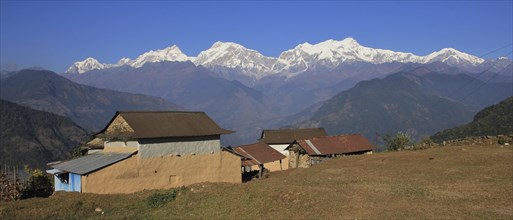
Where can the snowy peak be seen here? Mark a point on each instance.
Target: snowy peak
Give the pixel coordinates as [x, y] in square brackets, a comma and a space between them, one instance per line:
[452, 56]
[172, 53]
[124, 61]
[230, 55]
[232, 58]
[333, 53]
[85, 65]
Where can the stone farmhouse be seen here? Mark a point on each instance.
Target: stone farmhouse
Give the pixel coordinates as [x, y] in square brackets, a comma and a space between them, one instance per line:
[279, 139]
[307, 152]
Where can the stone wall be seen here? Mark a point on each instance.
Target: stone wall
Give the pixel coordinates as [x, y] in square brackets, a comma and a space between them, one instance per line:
[297, 159]
[469, 141]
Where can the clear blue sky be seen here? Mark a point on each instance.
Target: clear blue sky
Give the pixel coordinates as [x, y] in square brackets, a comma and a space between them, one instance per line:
[55, 34]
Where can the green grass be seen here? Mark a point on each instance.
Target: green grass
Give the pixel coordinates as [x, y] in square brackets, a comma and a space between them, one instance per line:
[453, 182]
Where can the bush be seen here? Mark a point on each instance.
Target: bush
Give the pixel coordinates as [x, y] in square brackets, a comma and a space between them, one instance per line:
[396, 142]
[159, 199]
[39, 184]
[78, 152]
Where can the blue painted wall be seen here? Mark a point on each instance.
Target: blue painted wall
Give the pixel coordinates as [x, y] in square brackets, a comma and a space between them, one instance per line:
[74, 184]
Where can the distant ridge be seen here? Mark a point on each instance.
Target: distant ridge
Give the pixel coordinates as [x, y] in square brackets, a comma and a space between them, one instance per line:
[88, 106]
[416, 101]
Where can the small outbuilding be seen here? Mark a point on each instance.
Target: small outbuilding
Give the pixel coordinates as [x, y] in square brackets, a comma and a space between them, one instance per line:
[279, 139]
[261, 156]
[307, 152]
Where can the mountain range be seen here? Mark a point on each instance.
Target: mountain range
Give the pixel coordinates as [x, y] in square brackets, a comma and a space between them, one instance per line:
[229, 102]
[229, 57]
[418, 101]
[89, 107]
[302, 76]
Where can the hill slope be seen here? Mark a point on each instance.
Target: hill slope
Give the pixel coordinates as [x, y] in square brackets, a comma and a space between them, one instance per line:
[493, 120]
[441, 183]
[90, 107]
[34, 137]
[418, 101]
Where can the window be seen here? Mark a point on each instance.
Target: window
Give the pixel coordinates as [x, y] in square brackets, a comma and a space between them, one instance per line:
[64, 177]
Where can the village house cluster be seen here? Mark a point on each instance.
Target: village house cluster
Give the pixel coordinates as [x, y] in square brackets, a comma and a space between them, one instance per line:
[140, 150]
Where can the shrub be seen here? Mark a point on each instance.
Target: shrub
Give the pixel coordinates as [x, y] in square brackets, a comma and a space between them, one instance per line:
[39, 184]
[399, 141]
[159, 199]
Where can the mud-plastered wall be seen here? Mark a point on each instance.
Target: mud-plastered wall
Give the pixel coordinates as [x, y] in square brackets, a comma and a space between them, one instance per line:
[136, 174]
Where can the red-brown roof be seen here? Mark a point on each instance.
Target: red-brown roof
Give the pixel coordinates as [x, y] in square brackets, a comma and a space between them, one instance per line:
[259, 153]
[287, 136]
[339, 144]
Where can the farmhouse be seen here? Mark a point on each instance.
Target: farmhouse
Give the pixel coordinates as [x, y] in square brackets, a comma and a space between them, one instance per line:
[261, 156]
[279, 139]
[307, 152]
[151, 150]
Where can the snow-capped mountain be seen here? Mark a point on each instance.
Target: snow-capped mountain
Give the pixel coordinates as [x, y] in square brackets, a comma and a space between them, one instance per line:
[85, 65]
[231, 57]
[236, 57]
[452, 57]
[332, 53]
[172, 53]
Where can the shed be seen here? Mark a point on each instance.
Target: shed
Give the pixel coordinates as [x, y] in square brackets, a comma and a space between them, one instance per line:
[260, 156]
[306, 152]
[67, 174]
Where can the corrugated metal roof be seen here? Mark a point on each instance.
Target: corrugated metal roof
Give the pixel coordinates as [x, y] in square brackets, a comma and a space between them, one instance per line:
[258, 153]
[91, 162]
[155, 124]
[339, 144]
[287, 136]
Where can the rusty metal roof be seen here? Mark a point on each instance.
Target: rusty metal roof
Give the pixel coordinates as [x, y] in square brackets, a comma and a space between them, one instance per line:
[258, 153]
[155, 124]
[287, 136]
[339, 144]
[91, 162]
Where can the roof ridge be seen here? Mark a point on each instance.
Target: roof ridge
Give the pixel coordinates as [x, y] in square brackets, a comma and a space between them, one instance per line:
[290, 129]
[157, 111]
[331, 136]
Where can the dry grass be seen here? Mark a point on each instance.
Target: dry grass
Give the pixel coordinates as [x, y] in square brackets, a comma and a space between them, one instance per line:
[453, 182]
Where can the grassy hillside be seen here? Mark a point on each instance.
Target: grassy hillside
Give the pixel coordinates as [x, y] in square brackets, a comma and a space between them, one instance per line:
[473, 182]
[493, 120]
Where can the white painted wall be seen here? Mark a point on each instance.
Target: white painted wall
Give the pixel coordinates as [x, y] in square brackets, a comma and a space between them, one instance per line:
[148, 148]
[281, 148]
[178, 147]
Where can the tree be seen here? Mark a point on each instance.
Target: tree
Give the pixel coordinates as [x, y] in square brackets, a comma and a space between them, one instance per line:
[399, 141]
[38, 185]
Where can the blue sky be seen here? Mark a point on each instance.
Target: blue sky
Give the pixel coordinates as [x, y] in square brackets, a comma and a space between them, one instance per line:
[54, 34]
